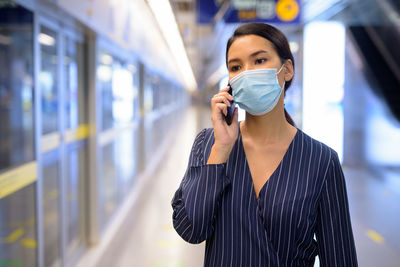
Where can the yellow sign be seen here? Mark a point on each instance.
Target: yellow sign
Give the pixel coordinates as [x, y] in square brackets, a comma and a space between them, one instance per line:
[17, 178]
[29, 243]
[15, 235]
[287, 10]
[247, 14]
[375, 236]
[82, 132]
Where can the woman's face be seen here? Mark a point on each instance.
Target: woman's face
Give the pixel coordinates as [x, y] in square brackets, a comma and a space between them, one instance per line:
[251, 52]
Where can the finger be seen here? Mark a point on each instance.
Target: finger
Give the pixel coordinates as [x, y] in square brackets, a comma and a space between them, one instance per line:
[227, 95]
[221, 99]
[226, 89]
[222, 107]
[217, 99]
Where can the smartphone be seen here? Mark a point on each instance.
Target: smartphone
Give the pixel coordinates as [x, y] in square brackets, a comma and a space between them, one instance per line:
[231, 109]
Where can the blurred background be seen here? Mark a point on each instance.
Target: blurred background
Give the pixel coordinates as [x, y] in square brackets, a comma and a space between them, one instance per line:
[100, 101]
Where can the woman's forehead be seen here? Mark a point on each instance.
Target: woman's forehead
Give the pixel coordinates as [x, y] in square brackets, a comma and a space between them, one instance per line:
[248, 44]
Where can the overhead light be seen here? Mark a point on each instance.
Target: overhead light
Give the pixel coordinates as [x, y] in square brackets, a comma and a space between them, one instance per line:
[294, 47]
[104, 73]
[106, 59]
[46, 39]
[166, 20]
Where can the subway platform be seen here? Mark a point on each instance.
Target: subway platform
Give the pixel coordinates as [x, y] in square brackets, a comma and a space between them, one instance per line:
[144, 235]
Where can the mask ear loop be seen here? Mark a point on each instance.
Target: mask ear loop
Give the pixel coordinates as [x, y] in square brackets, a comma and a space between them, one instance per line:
[284, 82]
[280, 68]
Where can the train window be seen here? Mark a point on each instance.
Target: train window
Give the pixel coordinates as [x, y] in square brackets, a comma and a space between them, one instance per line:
[135, 88]
[51, 211]
[116, 85]
[16, 87]
[108, 194]
[155, 80]
[73, 77]
[123, 95]
[104, 75]
[75, 169]
[148, 94]
[48, 79]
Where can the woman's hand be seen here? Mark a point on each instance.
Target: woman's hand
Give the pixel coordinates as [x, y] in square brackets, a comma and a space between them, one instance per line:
[225, 135]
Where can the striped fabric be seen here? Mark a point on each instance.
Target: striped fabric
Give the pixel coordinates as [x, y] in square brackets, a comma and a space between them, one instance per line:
[306, 195]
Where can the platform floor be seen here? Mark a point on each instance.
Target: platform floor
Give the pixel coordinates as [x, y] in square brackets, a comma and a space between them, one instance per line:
[146, 237]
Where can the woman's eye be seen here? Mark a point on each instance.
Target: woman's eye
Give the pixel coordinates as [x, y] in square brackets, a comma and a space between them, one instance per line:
[235, 68]
[260, 60]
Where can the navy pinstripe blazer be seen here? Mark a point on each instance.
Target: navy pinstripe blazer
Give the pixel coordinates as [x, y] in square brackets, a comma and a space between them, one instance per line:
[304, 198]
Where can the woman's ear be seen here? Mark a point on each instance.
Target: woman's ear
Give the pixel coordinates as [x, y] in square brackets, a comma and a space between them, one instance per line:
[288, 70]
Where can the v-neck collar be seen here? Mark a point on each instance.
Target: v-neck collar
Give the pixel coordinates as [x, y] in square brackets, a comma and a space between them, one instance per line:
[247, 167]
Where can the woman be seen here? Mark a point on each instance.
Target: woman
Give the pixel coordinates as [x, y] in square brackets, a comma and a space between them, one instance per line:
[259, 191]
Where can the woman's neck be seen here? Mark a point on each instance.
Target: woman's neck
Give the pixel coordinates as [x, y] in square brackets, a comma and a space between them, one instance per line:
[268, 128]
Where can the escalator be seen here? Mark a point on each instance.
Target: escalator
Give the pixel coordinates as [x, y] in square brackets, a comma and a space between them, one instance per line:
[379, 44]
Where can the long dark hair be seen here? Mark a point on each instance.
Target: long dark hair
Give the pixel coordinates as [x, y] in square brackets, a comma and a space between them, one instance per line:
[272, 34]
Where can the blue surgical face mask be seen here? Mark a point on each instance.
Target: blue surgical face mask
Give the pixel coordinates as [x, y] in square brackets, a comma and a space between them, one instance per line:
[256, 91]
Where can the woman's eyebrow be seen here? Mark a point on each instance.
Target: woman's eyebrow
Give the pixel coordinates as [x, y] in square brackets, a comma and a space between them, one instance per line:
[258, 52]
[233, 60]
[252, 55]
